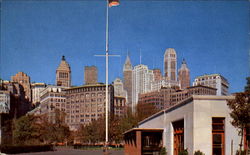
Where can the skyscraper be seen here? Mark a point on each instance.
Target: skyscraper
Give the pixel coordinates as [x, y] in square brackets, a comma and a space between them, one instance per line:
[170, 60]
[63, 74]
[24, 80]
[127, 80]
[157, 74]
[184, 75]
[142, 79]
[90, 75]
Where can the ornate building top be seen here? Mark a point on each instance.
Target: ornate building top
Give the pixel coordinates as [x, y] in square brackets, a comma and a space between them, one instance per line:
[127, 65]
[64, 65]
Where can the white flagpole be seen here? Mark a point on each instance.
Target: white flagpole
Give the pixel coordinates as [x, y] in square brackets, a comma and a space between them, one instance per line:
[107, 40]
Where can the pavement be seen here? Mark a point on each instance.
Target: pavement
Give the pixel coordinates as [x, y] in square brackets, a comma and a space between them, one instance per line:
[71, 151]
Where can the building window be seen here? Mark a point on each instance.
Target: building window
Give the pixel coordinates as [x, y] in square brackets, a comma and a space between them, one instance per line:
[218, 134]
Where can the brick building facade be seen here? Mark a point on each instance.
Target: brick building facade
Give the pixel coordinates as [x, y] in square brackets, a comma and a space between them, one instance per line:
[184, 75]
[167, 97]
[90, 75]
[24, 80]
[87, 103]
[120, 106]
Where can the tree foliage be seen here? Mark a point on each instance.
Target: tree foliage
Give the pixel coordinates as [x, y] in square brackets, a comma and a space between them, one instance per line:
[26, 130]
[240, 111]
[55, 131]
[247, 87]
[32, 129]
[94, 132]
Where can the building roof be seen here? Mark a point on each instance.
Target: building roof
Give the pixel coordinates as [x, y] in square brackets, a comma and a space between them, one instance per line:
[64, 65]
[183, 66]
[127, 65]
[85, 86]
[170, 50]
[143, 129]
[200, 86]
[184, 102]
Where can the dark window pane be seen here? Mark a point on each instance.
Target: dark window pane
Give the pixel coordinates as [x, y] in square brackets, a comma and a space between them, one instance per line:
[217, 139]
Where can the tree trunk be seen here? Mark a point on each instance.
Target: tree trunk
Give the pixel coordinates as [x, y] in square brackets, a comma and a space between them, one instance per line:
[241, 138]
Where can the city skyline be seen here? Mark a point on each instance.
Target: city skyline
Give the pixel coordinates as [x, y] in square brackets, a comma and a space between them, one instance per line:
[35, 35]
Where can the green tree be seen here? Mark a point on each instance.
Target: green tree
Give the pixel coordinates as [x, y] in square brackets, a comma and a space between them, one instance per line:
[26, 130]
[247, 87]
[116, 130]
[128, 121]
[240, 112]
[55, 131]
[93, 132]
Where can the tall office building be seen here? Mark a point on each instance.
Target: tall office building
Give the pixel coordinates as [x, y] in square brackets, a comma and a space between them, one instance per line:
[36, 90]
[90, 75]
[215, 81]
[63, 74]
[24, 80]
[157, 75]
[142, 79]
[184, 75]
[127, 80]
[170, 61]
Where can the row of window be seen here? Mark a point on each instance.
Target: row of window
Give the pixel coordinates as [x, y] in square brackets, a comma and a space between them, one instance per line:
[87, 89]
[63, 75]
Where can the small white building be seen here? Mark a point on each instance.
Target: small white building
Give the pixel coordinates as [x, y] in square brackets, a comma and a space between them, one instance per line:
[197, 123]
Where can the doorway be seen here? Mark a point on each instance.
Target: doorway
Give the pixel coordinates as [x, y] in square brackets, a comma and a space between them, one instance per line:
[178, 127]
[218, 134]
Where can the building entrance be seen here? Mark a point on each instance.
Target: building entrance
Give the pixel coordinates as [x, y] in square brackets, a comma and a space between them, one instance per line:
[178, 136]
[218, 136]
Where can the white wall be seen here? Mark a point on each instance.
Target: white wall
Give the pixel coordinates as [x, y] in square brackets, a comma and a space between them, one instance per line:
[197, 115]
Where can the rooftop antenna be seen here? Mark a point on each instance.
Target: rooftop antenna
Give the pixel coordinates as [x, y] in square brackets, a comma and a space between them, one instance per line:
[140, 56]
[153, 62]
[120, 64]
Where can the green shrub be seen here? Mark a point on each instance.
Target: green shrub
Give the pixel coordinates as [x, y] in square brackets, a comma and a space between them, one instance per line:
[184, 152]
[14, 149]
[199, 153]
[163, 151]
[243, 152]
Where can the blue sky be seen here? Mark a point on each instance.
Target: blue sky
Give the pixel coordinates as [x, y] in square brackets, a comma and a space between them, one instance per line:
[213, 37]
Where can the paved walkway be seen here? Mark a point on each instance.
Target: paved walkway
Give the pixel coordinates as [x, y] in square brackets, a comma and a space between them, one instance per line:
[70, 151]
